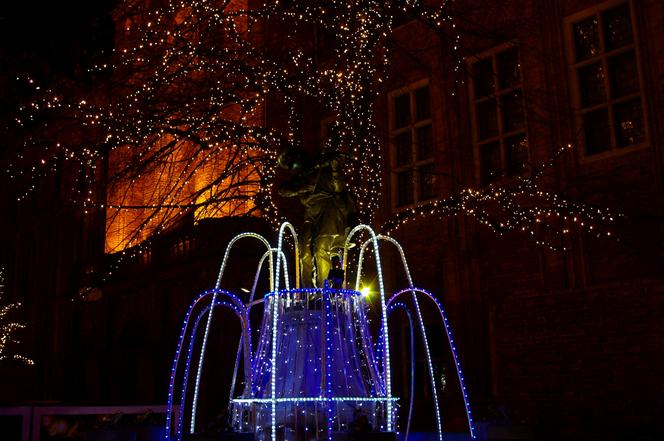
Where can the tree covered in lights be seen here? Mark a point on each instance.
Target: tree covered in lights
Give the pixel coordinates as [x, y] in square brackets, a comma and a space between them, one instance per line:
[9, 328]
[187, 118]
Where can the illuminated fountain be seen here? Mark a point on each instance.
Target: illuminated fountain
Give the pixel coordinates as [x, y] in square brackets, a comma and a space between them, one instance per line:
[331, 378]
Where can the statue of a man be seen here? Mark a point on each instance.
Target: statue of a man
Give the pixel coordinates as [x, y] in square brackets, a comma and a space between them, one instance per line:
[329, 211]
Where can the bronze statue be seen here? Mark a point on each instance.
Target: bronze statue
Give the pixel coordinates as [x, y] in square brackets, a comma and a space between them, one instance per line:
[329, 211]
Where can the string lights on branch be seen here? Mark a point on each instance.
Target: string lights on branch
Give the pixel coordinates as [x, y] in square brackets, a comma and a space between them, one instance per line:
[8, 328]
[177, 112]
[187, 117]
[522, 204]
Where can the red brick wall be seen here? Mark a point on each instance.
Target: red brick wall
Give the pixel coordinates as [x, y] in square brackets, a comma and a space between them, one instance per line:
[582, 361]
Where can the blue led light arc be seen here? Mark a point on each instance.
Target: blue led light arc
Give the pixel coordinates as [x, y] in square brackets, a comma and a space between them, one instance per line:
[187, 366]
[192, 339]
[273, 300]
[236, 304]
[383, 309]
[176, 359]
[450, 339]
[404, 308]
[208, 324]
[420, 320]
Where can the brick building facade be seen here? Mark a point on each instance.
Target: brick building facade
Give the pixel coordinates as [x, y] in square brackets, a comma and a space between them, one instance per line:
[565, 343]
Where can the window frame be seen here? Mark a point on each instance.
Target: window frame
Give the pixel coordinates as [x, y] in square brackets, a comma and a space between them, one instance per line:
[412, 126]
[573, 67]
[502, 136]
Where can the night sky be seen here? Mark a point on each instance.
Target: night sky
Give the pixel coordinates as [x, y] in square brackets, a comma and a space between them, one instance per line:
[54, 37]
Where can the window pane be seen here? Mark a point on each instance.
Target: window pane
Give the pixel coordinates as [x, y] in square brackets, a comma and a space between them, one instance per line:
[422, 106]
[404, 188]
[617, 27]
[427, 181]
[509, 68]
[591, 83]
[629, 123]
[484, 78]
[490, 161]
[623, 74]
[487, 119]
[404, 148]
[586, 38]
[516, 149]
[512, 107]
[424, 143]
[596, 129]
[401, 110]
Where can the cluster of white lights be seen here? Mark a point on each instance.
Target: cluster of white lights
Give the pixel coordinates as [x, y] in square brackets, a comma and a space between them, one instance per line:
[177, 81]
[546, 217]
[8, 328]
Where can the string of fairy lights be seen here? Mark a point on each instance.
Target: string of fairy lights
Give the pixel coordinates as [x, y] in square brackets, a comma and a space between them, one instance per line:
[522, 206]
[8, 328]
[181, 118]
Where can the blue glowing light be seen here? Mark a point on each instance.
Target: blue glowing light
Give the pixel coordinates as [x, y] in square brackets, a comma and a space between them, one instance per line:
[315, 366]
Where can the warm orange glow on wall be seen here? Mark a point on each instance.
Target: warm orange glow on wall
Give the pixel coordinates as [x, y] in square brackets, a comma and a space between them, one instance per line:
[150, 191]
[188, 185]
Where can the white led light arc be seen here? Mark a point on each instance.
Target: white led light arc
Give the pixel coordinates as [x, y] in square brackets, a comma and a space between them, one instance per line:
[259, 269]
[199, 371]
[228, 251]
[275, 309]
[282, 259]
[248, 386]
[257, 275]
[185, 376]
[450, 340]
[243, 315]
[239, 308]
[381, 286]
[420, 321]
[176, 361]
[282, 230]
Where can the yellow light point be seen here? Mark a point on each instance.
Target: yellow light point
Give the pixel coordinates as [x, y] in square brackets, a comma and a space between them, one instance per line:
[365, 291]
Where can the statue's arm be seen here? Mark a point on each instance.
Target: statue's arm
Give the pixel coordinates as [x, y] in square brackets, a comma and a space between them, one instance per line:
[292, 187]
